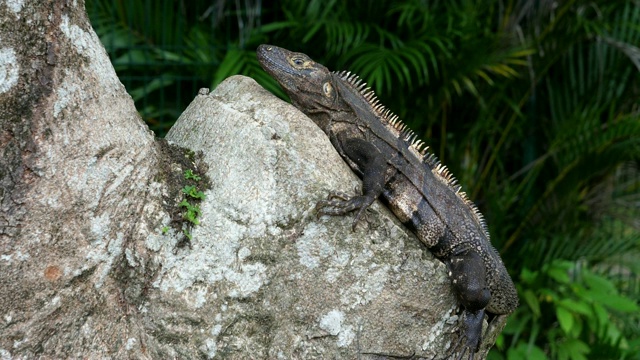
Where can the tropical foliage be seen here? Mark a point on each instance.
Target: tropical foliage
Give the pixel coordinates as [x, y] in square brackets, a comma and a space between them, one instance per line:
[532, 104]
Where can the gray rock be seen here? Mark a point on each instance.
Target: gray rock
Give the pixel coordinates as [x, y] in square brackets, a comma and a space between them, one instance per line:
[265, 278]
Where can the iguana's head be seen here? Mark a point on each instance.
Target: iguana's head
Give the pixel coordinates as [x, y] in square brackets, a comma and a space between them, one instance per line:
[308, 83]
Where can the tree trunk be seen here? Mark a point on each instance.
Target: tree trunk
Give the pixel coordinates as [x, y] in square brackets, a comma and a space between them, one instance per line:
[98, 260]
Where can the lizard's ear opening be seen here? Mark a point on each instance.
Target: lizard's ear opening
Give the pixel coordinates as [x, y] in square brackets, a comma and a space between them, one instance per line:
[327, 89]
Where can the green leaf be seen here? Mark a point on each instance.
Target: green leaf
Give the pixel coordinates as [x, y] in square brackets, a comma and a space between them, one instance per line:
[525, 351]
[582, 308]
[311, 32]
[192, 214]
[601, 315]
[598, 283]
[565, 318]
[559, 272]
[153, 85]
[573, 349]
[232, 64]
[532, 300]
[527, 276]
[614, 301]
[188, 174]
[196, 194]
[613, 334]
[193, 192]
[277, 26]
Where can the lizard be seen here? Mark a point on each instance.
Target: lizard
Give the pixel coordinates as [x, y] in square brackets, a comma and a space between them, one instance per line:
[396, 167]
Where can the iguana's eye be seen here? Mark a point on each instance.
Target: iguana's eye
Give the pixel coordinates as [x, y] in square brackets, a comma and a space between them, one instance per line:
[328, 89]
[297, 61]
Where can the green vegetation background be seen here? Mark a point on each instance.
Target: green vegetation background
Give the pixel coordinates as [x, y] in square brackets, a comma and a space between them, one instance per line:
[533, 105]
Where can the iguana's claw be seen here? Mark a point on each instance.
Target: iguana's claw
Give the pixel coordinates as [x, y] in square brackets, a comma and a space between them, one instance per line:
[458, 346]
[340, 203]
[465, 344]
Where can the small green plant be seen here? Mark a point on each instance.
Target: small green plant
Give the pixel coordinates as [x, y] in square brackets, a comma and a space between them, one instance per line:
[189, 175]
[192, 196]
[165, 230]
[193, 211]
[193, 192]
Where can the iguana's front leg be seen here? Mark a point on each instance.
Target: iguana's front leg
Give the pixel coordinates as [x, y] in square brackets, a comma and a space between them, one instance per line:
[372, 165]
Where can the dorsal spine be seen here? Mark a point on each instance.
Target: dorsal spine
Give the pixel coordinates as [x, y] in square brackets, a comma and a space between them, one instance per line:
[391, 121]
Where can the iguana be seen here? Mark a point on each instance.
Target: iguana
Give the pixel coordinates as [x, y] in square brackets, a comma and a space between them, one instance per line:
[395, 166]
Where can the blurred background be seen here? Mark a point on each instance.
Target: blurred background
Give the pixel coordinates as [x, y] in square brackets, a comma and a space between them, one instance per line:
[533, 105]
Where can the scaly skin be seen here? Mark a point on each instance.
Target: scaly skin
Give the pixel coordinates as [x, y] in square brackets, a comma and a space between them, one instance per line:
[396, 168]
